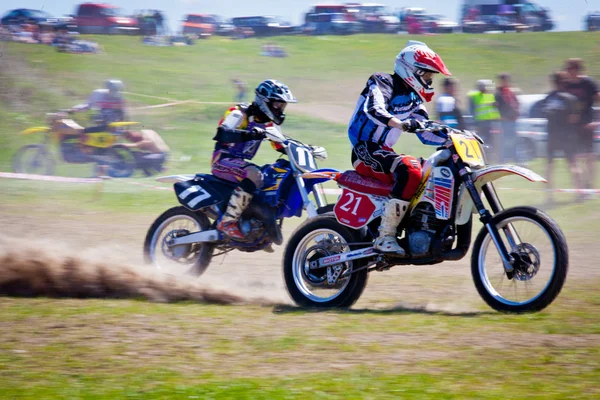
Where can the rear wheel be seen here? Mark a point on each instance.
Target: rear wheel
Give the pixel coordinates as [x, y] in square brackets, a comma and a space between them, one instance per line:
[191, 258]
[541, 256]
[33, 159]
[118, 161]
[324, 287]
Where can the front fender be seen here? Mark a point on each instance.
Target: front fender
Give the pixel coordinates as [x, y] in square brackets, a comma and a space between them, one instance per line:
[465, 206]
[37, 129]
[489, 174]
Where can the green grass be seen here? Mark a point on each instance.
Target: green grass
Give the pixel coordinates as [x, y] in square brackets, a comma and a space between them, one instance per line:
[131, 349]
[107, 349]
[320, 71]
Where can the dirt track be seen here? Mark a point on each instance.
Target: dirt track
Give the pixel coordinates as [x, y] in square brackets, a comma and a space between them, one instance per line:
[101, 242]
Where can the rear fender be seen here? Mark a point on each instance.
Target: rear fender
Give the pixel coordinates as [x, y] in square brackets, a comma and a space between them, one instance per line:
[202, 191]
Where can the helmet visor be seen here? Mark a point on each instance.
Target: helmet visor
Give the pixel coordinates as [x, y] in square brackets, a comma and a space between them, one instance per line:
[278, 106]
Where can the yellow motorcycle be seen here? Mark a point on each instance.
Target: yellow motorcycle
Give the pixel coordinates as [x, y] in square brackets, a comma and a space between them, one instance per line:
[101, 148]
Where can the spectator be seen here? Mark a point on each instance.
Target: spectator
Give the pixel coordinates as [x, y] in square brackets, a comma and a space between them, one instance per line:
[153, 150]
[159, 20]
[447, 107]
[508, 106]
[559, 108]
[240, 90]
[482, 105]
[587, 93]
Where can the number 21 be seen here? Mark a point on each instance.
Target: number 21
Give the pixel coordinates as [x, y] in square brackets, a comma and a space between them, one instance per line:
[346, 205]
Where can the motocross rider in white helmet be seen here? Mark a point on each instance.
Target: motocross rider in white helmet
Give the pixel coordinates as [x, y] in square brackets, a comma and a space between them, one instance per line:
[108, 103]
[389, 105]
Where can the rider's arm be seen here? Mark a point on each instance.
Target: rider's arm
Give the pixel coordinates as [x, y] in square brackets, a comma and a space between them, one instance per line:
[94, 97]
[379, 94]
[228, 131]
[377, 99]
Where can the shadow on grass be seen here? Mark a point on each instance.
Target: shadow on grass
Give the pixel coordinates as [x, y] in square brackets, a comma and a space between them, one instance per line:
[398, 309]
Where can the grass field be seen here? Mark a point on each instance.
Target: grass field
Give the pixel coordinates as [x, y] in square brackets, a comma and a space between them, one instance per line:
[417, 333]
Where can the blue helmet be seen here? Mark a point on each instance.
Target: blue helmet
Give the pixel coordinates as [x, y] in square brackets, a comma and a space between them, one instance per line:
[271, 97]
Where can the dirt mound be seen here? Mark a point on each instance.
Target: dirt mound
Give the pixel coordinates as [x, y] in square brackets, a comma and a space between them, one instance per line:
[36, 270]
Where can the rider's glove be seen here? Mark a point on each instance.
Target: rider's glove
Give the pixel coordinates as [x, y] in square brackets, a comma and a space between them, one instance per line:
[411, 125]
[257, 133]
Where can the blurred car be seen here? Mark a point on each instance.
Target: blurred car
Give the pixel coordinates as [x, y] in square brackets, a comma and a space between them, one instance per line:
[223, 26]
[103, 19]
[330, 24]
[436, 23]
[264, 25]
[376, 18]
[499, 23]
[38, 17]
[592, 21]
[407, 12]
[349, 11]
[199, 25]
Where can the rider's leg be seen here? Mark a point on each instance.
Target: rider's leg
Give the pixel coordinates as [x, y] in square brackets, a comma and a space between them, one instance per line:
[407, 171]
[239, 200]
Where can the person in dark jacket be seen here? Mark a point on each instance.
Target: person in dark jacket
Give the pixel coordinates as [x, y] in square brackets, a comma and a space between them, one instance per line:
[508, 106]
[560, 109]
[587, 92]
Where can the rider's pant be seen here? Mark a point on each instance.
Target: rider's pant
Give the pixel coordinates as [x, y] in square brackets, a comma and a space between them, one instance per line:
[382, 163]
[235, 169]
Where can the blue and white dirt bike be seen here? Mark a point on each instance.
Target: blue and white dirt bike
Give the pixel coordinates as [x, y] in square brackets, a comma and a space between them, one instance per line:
[185, 236]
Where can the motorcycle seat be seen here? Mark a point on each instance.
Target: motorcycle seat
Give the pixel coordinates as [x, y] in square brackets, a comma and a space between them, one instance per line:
[364, 184]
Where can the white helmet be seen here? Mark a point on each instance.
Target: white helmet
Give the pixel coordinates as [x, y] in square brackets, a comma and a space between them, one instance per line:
[114, 87]
[413, 62]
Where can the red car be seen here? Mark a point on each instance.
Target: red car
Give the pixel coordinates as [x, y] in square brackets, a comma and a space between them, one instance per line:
[103, 18]
[201, 25]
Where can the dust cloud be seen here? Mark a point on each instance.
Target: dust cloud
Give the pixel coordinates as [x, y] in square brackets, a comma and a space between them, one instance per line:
[46, 269]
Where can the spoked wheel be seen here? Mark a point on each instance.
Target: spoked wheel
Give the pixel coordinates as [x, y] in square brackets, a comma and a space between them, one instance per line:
[540, 251]
[332, 286]
[182, 259]
[33, 159]
[119, 162]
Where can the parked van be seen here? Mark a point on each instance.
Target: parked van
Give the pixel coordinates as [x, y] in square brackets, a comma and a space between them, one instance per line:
[201, 25]
[103, 18]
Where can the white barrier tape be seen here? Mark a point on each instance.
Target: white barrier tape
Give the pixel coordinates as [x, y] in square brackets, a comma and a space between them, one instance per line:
[47, 178]
[149, 186]
[581, 191]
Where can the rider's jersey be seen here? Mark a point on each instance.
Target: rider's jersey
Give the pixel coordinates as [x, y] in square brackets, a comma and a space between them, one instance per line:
[108, 108]
[385, 96]
[241, 117]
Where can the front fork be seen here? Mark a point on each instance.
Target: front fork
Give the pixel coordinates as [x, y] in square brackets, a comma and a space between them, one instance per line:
[486, 217]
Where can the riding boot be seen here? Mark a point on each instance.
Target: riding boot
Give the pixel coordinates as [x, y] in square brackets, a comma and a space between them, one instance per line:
[238, 202]
[394, 211]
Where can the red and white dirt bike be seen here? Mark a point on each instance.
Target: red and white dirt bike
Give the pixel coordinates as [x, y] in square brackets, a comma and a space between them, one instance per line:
[519, 259]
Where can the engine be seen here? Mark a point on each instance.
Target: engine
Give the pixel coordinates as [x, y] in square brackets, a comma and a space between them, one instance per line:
[422, 228]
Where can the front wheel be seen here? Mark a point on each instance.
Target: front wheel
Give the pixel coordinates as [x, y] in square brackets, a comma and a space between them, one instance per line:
[33, 159]
[541, 256]
[192, 258]
[327, 287]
